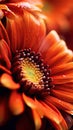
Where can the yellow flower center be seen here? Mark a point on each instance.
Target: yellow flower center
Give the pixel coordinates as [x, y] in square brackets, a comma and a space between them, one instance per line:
[31, 72]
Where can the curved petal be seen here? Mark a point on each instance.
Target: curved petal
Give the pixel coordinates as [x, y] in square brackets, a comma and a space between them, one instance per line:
[37, 119]
[52, 114]
[5, 53]
[3, 69]
[60, 104]
[48, 41]
[29, 101]
[69, 120]
[7, 12]
[55, 49]
[7, 81]
[16, 104]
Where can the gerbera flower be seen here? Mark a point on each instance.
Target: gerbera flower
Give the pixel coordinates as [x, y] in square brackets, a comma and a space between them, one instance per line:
[57, 12]
[36, 69]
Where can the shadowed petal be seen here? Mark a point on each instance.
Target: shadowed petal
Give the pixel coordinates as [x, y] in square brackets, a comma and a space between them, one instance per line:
[3, 34]
[5, 53]
[53, 114]
[60, 104]
[3, 69]
[16, 104]
[7, 81]
[66, 85]
[69, 120]
[25, 122]
[4, 111]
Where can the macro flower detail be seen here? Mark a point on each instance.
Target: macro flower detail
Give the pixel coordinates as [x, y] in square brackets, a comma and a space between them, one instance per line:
[36, 68]
[56, 13]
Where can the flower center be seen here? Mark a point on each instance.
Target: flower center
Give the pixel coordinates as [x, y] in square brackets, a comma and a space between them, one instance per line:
[29, 70]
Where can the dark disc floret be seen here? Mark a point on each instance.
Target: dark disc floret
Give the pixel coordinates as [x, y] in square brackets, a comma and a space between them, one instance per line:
[30, 71]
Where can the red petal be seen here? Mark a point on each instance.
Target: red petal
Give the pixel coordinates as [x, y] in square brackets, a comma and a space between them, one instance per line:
[33, 30]
[62, 69]
[62, 79]
[66, 96]
[52, 114]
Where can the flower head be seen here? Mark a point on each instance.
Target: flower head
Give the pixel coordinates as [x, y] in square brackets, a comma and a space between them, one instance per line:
[56, 12]
[36, 69]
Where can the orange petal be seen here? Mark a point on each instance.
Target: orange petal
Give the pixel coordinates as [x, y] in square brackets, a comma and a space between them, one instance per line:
[60, 104]
[37, 119]
[29, 101]
[50, 39]
[16, 104]
[62, 69]
[7, 81]
[52, 114]
[21, 39]
[66, 96]
[62, 79]
[62, 57]
[55, 49]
